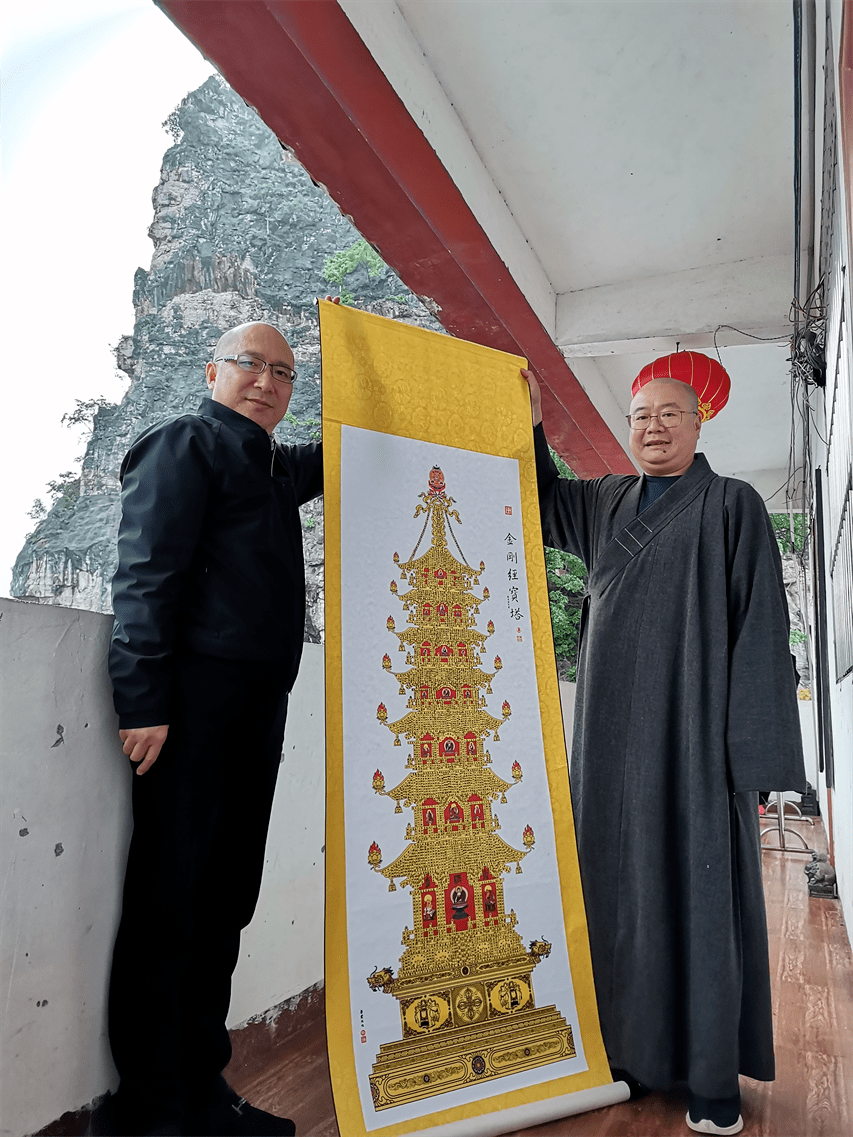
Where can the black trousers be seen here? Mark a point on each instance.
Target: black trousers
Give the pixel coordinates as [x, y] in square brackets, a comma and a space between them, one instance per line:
[200, 821]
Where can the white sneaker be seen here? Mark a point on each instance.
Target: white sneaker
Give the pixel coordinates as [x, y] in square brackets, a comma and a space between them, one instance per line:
[707, 1126]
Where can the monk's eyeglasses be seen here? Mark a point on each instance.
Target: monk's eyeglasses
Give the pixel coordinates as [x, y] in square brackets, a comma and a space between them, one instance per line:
[667, 419]
[279, 371]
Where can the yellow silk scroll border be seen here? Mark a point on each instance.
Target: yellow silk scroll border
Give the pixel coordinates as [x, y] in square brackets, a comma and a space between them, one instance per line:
[471, 397]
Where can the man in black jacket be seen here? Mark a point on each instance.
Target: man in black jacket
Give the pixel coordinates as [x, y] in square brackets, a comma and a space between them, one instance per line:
[209, 602]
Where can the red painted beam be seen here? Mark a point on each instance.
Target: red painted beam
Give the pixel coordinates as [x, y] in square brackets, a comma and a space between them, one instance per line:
[305, 70]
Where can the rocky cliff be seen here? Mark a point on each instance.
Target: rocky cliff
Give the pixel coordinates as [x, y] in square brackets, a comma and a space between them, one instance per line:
[240, 233]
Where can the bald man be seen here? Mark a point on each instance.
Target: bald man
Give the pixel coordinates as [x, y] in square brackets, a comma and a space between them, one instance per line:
[686, 706]
[209, 603]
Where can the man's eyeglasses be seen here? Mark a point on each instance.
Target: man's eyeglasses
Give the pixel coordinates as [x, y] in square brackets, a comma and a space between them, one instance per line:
[279, 371]
[668, 419]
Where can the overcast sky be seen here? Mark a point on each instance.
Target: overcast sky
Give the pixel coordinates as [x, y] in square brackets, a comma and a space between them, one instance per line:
[86, 85]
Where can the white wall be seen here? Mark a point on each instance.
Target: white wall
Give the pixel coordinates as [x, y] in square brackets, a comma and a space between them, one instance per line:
[66, 823]
[567, 703]
[838, 296]
[808, 726]
[841, 698]
[282, 949]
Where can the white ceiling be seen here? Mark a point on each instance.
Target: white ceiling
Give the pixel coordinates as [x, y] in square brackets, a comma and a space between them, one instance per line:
[632, 163]
[629, 139]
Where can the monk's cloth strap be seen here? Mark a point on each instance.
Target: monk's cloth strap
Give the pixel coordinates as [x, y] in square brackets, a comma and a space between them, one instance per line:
[641, 531]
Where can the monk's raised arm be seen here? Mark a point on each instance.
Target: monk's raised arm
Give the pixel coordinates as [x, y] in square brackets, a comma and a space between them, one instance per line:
[535, 395]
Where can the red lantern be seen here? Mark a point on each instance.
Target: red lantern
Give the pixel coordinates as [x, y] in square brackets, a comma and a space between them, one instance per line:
[708, 378]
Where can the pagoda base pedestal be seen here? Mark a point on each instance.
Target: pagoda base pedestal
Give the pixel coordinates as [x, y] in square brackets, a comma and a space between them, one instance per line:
[416, 1068]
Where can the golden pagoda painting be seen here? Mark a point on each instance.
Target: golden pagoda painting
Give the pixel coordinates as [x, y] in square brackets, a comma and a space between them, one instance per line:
[465, 984]
[459, 988]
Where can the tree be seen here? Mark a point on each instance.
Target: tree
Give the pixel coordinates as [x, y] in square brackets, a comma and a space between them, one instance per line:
[345, 261]
[84, 412]
[566, 578]
[64, 491]
[788, 542]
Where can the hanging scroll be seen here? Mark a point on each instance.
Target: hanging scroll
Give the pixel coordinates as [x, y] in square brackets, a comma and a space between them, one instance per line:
[459, 991]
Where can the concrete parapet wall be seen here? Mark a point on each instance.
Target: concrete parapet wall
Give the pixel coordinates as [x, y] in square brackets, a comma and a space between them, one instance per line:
[66, 825]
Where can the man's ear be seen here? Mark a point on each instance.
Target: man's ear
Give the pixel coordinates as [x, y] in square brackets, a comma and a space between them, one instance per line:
[210, 375]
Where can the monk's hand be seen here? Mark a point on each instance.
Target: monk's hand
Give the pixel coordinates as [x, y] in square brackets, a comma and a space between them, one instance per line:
[535, 395]
[334, 299]
[143, 744]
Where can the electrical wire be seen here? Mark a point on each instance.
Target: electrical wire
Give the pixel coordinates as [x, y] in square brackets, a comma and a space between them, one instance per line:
[781, 487]
[741, 332]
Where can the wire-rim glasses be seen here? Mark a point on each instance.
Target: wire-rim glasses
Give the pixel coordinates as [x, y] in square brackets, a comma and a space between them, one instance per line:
[640, 420]
[279, 371]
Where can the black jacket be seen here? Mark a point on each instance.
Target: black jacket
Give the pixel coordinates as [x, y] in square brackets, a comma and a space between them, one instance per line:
[209, 553]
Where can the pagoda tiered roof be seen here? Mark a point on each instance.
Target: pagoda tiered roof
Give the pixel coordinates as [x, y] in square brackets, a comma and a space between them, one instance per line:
[414, 724]
[446, 854]
[449, 671]
[479, 778]
[414, 633]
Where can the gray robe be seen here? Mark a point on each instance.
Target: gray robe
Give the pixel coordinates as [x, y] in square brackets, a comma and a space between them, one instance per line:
[686, 704]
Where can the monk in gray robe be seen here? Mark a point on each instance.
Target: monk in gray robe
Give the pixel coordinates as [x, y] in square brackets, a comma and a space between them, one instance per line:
[686, 707]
